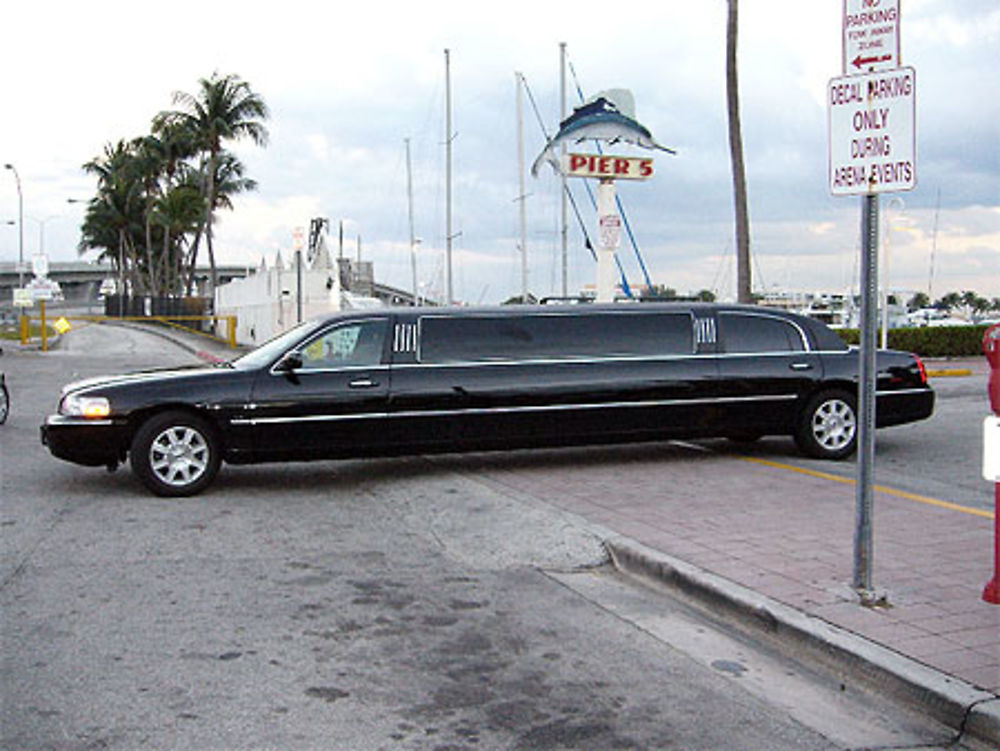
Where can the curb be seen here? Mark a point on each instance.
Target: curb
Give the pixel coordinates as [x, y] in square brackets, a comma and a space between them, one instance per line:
[202, 354]
[971, 712]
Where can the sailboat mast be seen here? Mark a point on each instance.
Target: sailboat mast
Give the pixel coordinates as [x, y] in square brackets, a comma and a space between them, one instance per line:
[930, 276]
[521, 196]
[564, 212]
[450, 298]
[413, 239]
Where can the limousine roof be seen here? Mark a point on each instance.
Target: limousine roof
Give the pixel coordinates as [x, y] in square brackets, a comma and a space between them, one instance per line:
[822, 336]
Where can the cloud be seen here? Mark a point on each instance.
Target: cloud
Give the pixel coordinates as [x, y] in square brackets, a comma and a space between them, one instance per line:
[346, 88]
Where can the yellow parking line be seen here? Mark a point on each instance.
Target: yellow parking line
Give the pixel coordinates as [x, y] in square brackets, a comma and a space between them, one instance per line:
[879, 488]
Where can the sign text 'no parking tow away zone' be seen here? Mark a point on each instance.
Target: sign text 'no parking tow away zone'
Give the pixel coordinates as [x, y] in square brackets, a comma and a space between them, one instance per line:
[872, 132]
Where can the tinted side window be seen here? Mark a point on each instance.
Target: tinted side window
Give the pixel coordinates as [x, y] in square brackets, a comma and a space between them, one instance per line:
[539, 337]
[751, 333]
[358, 343]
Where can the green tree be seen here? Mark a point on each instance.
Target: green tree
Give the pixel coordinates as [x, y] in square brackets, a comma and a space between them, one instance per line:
[949, 302]
[114, 215]
[918, 301]
[224, 109]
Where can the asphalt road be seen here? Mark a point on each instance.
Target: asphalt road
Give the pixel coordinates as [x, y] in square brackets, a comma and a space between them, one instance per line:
[363, 605]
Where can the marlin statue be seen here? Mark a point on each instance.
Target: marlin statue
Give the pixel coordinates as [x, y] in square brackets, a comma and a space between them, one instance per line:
[610, 117]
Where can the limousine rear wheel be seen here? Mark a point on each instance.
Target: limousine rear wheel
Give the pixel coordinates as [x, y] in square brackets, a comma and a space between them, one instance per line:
[828, 428]
[175, 454]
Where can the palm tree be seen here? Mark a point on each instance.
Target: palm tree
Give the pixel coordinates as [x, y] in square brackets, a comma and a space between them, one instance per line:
[225, 109]
[114, 216]
[177, 212]
[743, 285]
[228, 181]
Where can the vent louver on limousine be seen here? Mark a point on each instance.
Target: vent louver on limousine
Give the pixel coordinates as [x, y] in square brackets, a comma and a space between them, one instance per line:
[405, 338]
[705, 330]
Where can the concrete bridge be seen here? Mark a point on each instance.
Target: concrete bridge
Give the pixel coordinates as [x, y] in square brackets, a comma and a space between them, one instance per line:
[80, 281]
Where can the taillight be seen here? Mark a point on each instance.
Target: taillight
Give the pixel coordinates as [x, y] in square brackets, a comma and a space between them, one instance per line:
[923, 370]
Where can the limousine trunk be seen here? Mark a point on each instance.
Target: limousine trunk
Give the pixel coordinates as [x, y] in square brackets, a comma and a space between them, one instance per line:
[425, 380]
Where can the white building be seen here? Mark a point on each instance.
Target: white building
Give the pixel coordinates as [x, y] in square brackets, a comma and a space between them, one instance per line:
[269, 301]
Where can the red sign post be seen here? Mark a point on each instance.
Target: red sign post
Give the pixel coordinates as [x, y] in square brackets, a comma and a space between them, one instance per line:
[991, 348]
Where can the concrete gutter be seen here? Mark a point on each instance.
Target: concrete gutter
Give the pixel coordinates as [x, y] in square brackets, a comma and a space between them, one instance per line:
[972, 713]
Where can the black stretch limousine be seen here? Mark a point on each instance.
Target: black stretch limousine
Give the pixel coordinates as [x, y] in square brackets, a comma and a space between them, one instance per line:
[424, 380]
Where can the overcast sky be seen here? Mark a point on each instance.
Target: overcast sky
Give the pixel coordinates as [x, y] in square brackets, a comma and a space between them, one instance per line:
[348, 82]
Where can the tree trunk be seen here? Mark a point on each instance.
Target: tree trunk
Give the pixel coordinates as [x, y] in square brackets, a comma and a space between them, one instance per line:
[153, 285]
[193, 261]
[743, 284]
[213, 165]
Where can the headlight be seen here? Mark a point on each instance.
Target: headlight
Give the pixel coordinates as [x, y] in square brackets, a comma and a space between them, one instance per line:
[94, 407]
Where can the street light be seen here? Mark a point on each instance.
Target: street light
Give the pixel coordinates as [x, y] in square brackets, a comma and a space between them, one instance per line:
[20, 226]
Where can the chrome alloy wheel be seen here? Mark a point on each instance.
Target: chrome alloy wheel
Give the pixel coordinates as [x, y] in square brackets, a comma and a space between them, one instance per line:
[179, 456]
[834, 424]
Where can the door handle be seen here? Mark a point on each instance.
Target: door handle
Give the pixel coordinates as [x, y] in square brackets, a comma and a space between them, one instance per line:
[800, 366]
[362, 383]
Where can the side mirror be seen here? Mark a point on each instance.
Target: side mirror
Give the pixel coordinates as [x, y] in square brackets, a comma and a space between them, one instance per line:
[291, 362]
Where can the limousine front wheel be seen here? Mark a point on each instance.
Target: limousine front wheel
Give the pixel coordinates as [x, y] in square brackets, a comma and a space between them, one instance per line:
[175, 454]
[828, 428]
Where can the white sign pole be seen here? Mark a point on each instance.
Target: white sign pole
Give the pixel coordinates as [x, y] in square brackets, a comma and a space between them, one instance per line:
[609, 238]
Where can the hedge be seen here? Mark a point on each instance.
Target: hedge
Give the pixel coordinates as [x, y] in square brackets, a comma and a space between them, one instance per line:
[931, 341]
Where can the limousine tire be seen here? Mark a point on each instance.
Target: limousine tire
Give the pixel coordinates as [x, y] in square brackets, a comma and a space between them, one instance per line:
[828, 428]
[175, 454]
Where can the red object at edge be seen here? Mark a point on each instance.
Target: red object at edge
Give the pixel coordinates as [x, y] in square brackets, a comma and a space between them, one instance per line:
[991, 348]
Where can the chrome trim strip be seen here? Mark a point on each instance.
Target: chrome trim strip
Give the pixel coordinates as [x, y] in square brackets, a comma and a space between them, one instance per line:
[553, 361]
[73, 421]
[405, 337]
[338, 369]
[511, 410]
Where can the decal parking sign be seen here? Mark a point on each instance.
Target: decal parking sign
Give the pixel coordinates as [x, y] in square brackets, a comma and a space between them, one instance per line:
[871, 133]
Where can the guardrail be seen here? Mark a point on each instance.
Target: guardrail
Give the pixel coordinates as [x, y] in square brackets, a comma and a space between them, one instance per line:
[172, 321]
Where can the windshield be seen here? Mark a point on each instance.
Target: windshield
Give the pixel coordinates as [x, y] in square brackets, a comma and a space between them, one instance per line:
[272, 349]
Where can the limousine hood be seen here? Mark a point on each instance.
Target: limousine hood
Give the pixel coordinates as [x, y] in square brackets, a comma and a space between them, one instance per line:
[140, 376]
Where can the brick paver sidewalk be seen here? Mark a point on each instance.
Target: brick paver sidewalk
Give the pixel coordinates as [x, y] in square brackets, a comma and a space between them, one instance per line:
[789, 536]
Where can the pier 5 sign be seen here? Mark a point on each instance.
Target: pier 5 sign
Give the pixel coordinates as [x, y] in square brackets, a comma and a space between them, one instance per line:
[604, 166]
[871, 132]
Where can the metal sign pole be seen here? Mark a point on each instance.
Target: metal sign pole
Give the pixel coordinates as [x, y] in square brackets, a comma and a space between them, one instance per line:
[866, 398]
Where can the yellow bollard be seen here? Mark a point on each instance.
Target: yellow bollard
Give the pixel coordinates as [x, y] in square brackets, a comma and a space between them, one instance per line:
[45, 332]
[232, 332]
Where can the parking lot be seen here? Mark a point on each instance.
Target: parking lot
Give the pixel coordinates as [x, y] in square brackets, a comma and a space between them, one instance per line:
[420, 603]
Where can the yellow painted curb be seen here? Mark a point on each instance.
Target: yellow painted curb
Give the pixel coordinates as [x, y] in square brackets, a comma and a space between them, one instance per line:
[951, 372]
